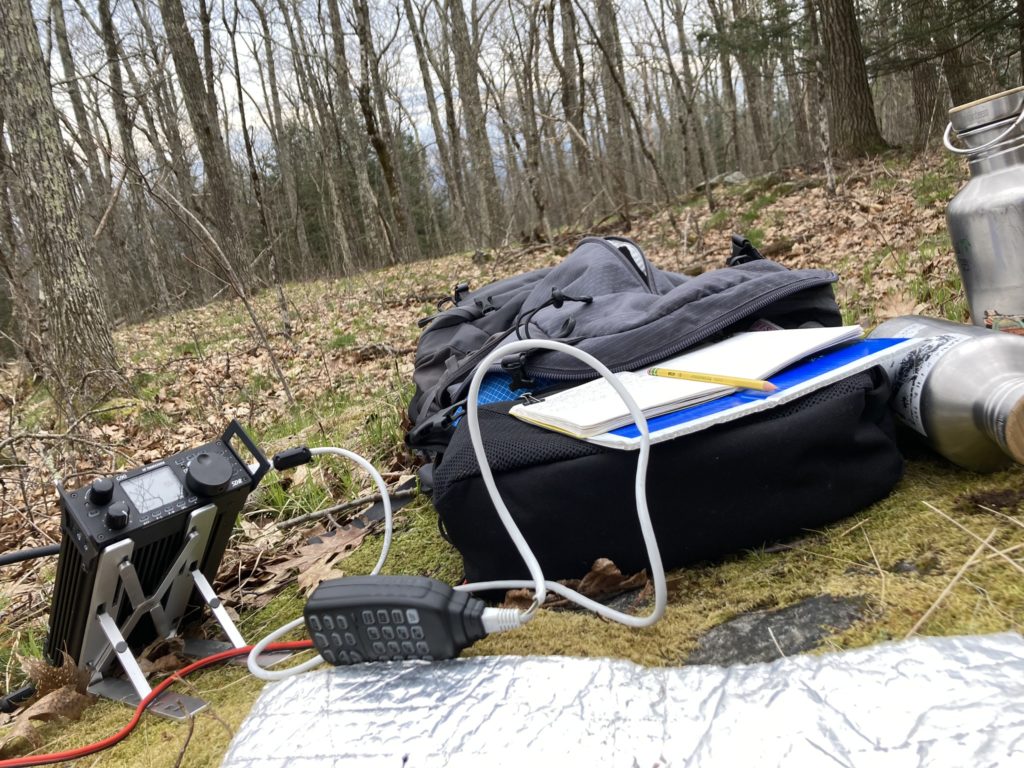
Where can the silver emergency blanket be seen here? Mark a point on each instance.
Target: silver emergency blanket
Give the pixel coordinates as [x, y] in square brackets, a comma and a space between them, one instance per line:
[926, 702]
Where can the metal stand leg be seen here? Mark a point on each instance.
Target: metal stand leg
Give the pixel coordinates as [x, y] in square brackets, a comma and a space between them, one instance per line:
[117, 581]
[170, 704]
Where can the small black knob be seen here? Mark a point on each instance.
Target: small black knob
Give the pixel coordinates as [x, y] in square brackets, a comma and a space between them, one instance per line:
[208, 474]
[117, 515]
[101, 491]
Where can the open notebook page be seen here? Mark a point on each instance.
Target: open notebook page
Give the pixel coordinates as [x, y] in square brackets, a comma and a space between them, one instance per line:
[594, 407]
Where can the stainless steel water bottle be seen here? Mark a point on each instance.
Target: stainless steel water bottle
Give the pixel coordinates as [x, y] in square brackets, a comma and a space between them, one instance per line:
[962, 388]
[986, 218]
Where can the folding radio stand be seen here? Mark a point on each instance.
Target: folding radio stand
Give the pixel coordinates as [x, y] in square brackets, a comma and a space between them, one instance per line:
[117, 581]
[143, 546]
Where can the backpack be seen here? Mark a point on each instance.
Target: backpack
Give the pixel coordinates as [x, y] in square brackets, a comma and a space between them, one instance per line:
[607, 299]
[735, 485]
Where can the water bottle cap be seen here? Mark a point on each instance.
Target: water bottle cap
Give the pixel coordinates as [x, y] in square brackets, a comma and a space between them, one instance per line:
[991, 109]
[1015, 432]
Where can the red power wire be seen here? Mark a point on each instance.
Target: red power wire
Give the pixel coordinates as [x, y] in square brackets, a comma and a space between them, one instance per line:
[107, 743]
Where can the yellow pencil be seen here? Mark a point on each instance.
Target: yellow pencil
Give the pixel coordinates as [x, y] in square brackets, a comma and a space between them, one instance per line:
[714, 378]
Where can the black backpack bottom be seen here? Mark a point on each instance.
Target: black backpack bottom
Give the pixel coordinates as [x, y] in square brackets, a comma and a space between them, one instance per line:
[732, 487]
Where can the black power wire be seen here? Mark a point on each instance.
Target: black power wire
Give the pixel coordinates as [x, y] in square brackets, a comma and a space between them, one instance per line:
[21, 555]
[11, 701]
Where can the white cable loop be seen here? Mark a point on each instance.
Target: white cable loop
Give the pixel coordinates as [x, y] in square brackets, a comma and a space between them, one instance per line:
[540, 586]
[502, 619]
[252, 661]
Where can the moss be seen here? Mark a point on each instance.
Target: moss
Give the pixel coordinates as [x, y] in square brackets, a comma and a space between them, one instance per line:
[720, 219]
[899, 555]
[342, 340]
[932, 188]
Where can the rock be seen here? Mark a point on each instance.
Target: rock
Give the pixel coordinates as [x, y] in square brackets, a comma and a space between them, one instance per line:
[759, 636]
[729, 179]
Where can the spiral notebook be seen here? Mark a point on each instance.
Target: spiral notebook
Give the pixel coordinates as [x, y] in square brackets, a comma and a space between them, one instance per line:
[595, 408]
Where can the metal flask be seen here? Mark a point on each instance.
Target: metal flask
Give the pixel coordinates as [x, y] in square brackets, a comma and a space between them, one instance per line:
[986, 218]
[962, 388]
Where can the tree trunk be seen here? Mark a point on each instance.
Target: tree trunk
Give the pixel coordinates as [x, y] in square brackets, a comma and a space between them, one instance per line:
[733, 150]
[383, 140]
[282, 148]
[352, 144]
[615, 152]
[752, 87]
[77, 345]
[568, 73]
[690, 102]
[341, 215]
[531, 133]
[254, 180]
[794, 88]
[439, 59]
[820, 108]
[133, 173]
[221, 201]
[451, 181]
[854, 128]
[489, 194]
[83, 135]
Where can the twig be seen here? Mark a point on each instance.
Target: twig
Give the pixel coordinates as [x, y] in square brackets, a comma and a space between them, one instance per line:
[110, 206]
[952, 583]
[51, 436]
[292, 522]
[997, 513]
[778, 647]
[975, 536]
[188, 738]
[1006, 551]
[878, 565]
[234, 281]
[852, 528]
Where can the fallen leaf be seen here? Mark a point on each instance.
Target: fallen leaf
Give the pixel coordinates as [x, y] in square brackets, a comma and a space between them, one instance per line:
[162, 656]
[520, 599]
[46, 677]
[62, 704]
[603, 580]
[329, 549]
[310, 578]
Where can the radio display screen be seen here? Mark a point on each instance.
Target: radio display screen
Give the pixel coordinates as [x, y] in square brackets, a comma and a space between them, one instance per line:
[152, 490]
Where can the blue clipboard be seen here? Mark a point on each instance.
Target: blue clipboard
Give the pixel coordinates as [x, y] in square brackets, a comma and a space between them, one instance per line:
[793, 382]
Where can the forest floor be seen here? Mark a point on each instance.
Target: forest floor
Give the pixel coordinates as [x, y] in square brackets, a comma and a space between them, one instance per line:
[349, 364]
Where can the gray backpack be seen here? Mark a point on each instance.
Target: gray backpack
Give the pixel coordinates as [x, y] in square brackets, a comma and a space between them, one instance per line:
[604, 298]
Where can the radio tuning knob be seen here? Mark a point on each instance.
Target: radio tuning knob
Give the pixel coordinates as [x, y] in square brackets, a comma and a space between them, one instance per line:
[208, 474]
[117, 515]
[101, 491]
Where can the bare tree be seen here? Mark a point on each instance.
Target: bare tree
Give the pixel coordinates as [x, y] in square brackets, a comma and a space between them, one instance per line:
[465, 54]
[76, 345]
[221, 198]
[852, 116]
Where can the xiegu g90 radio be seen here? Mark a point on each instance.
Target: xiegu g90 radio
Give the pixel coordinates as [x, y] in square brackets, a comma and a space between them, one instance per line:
[140, 549]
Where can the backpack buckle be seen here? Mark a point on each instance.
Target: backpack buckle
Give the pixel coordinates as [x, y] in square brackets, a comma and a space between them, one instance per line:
[435, 432]
[515, 366]
[743, 251]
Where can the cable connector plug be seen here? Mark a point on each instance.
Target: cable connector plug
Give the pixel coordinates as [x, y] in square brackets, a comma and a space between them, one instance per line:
[501, 619]
[292, 457]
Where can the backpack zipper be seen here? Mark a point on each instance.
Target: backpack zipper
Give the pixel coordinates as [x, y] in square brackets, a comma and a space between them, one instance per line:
[695, 337]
